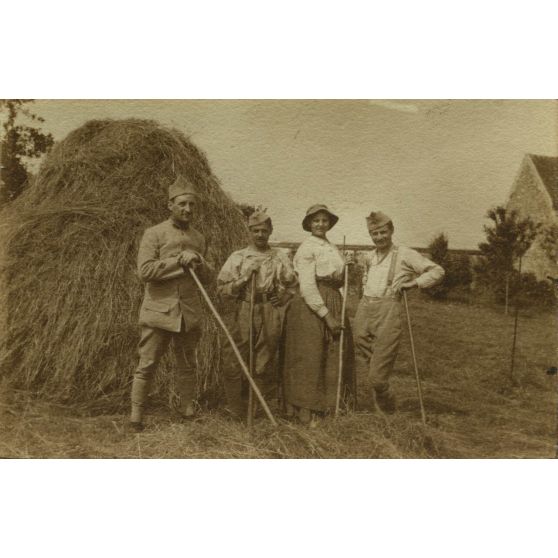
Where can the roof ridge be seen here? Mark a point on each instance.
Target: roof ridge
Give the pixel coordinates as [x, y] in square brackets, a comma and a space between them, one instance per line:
[546, 167]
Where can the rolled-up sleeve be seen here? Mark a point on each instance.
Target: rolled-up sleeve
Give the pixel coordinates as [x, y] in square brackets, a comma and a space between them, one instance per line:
[287, 275]
[305, 266]
[428, 273]
[229, 273]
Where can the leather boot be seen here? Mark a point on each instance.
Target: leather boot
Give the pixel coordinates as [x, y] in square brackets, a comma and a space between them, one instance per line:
[386, 400]
[186, 389]
[233, 393]
[139, 395]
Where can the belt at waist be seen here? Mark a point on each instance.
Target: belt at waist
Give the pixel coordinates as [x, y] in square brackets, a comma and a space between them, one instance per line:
[393, 296]
[259, 298]
[333, 283]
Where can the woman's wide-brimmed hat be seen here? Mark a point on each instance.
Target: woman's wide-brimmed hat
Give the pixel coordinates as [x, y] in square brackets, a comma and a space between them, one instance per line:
[315, 209]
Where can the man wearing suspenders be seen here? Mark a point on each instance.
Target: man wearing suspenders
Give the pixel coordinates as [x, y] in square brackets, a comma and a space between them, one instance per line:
[389, 269]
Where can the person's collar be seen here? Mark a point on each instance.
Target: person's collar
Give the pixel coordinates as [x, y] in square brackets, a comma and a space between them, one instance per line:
[391, 249]
[179, 225]
[319, 240]
[253, 250]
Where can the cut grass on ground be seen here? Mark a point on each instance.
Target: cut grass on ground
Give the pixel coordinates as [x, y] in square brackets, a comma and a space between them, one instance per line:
[473, 408]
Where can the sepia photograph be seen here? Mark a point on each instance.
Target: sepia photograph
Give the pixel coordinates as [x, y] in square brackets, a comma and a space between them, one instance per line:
[290, 279]
[278, 279]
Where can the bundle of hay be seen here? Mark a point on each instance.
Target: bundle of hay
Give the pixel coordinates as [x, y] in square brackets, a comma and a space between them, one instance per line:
[69, 270]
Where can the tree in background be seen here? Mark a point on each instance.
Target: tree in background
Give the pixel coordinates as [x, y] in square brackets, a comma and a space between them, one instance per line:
[549, 242]
[438, 250]
[246, 209]
[18, 141]
[507, 240]
[457, 267]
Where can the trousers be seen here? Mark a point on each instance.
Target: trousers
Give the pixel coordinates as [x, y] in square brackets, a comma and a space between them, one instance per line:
[377, 334]
[268, 321]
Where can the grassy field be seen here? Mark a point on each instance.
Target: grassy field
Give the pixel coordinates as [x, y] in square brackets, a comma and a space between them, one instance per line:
[474, 410]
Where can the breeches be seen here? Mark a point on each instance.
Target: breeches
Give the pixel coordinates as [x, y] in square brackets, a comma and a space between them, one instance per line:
[152, 346]
[377, 333]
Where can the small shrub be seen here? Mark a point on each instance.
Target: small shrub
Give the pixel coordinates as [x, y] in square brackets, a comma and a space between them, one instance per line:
[458, 270]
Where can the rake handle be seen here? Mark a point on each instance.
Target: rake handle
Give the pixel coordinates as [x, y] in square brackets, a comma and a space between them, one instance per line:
[234, 347]
[417, 375]
[342, 336]
[250, 417]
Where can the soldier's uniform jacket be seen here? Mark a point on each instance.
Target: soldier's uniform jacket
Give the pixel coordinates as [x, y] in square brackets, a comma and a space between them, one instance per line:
[170, 291]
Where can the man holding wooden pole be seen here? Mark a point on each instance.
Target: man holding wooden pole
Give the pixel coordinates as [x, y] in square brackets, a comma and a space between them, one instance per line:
[389, 270]
[171, 310]
[261, 280]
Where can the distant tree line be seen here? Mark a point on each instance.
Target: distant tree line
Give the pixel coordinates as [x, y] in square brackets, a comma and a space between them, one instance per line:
[496, 274]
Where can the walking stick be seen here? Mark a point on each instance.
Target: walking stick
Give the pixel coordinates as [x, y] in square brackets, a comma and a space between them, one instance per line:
[250, 417]
[234, 347]
[419, 389]
[342, 336]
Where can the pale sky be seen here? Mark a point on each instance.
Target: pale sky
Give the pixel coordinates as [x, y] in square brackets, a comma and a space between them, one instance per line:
[433, 166]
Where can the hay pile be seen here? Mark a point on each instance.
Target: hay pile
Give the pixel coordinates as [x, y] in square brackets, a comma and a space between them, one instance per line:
[69, 270]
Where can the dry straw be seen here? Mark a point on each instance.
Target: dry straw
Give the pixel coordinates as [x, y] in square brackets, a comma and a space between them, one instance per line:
[69, 271]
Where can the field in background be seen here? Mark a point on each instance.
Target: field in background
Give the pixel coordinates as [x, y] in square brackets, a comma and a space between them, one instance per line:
[473, 408]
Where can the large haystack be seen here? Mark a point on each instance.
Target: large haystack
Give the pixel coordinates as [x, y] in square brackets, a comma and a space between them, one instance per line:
[70, 258]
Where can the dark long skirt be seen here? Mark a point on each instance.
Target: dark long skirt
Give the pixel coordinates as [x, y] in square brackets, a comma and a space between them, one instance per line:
[310, 361]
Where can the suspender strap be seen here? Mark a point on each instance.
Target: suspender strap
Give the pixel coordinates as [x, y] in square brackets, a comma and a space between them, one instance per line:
[391, 272]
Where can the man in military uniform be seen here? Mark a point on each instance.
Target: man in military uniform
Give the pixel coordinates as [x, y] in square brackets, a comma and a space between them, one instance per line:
[389, 269]
[275, 280]
[171, 309]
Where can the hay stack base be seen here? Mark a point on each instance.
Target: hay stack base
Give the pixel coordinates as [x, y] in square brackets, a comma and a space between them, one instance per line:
[69, 273]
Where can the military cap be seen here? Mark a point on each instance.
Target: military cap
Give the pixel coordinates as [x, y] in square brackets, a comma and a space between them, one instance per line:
[259, 217]
[377, 219]
[180, 187]
[315, 209]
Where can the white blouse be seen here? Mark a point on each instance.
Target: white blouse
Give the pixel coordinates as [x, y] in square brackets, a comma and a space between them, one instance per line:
[317, 258]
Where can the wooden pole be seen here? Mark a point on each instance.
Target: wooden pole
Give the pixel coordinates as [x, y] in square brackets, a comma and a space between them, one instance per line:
[234, 348]
[250, 418]
[516, 317]
[354, 372]
[553, 371]
[556, 454]
[342, 336]
[419, 388]
[507, 293]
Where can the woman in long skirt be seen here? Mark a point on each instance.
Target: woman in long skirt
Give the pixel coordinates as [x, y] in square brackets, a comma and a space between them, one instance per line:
[313, 324]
